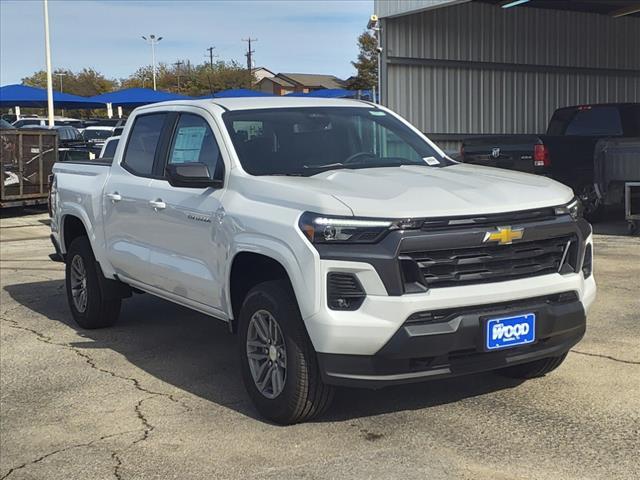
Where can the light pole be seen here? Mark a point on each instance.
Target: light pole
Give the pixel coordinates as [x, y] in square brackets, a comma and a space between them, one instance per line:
[47, 54]
[153, 41]
[374, 24]
[60, 75]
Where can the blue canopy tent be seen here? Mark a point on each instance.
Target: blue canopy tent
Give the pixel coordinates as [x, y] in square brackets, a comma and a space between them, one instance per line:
[135, 97]
[238, 92]
[32, 97]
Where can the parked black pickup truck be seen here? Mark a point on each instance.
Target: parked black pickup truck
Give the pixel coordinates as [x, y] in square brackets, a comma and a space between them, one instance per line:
[566, 152]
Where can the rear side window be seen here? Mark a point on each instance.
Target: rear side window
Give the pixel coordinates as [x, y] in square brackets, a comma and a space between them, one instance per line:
[595, 121]
[143, 143]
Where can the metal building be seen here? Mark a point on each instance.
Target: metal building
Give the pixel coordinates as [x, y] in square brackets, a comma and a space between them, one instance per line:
[458, 68]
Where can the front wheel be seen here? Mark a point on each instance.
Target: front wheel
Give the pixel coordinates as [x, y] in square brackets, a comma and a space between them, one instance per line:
[537, 368]
[89, 306]
[279, 365]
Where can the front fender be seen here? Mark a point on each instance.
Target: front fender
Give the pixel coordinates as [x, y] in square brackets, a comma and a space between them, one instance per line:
[299, 261]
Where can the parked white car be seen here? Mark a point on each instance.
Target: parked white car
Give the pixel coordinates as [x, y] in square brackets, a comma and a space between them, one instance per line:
[337, 241]
[44, 122]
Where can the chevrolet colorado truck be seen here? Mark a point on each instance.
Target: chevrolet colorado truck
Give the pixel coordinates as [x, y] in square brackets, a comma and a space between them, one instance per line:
[566, 152]
[338, 243]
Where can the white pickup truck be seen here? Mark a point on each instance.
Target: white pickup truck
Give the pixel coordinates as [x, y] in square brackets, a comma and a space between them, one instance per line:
[337, 241]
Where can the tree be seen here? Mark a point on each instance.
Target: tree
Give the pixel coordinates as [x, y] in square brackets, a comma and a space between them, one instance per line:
[367, 64]
[86, 83]
[194, 80]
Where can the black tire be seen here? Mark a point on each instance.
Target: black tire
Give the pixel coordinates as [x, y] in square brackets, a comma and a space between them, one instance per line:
[99, 312]
[539, 368]
[303, 395]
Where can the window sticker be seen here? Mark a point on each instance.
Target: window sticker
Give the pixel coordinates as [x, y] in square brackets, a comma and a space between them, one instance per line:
[377, 113]
[431, 161]
[188, 144]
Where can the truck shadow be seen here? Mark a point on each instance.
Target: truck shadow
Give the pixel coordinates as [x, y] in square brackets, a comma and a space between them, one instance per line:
[195, 353]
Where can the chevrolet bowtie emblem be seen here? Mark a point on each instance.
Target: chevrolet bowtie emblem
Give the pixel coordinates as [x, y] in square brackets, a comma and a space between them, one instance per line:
[504, 235]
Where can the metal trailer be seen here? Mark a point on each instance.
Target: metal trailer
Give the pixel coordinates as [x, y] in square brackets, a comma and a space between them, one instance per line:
[632, 206]
[26, 160]
[617, 174]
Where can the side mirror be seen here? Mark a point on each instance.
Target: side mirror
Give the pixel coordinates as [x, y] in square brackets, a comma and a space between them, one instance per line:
[190, 175]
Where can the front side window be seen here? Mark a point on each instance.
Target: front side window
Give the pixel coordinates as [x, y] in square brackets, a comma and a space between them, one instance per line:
[307, 141]
[142, 144]
[194, 142]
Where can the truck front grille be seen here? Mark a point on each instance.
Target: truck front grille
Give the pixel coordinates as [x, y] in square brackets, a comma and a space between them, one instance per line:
[491, 263]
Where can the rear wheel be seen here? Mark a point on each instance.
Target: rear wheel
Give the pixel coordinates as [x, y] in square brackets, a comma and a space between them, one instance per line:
[539, 368]
[89, 306]
[279, 365]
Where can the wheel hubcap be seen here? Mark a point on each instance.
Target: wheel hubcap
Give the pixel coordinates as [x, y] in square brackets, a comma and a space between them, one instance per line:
[267, 354]
[78, 279]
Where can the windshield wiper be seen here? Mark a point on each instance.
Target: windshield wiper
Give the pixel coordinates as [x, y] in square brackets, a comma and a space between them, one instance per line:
[323, 168]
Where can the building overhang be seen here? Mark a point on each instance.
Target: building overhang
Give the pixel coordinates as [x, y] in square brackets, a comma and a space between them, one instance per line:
[612, 8]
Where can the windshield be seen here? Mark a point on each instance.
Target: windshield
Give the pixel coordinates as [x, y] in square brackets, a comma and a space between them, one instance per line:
[96, 134]
[307, 141]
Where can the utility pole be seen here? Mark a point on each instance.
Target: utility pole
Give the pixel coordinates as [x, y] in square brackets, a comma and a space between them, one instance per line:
[250, 52]
[178, 64]
[211, 55]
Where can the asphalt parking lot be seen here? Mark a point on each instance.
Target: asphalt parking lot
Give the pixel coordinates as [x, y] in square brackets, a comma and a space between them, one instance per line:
[160, 395]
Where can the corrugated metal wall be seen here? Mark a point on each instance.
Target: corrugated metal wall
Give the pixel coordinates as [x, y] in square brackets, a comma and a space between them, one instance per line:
[474, 68]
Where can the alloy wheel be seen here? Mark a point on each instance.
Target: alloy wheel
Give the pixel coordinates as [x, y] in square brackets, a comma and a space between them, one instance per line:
[266, 353]
[79, 284]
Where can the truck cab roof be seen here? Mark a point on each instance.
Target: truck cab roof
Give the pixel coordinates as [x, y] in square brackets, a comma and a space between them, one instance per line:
[251, 103]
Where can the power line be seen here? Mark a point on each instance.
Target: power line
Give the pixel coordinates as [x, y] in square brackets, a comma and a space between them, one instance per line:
[250, 52]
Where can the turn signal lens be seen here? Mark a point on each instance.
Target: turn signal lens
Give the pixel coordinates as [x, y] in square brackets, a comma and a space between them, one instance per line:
[573, 208]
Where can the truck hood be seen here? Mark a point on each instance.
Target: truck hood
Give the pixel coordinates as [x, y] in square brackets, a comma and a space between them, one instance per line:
[416, 191]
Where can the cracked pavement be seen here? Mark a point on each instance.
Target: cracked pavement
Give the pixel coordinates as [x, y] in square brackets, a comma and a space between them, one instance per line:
[159, 395]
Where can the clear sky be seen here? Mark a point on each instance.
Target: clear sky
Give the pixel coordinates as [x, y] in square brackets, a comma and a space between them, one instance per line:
[306, 36]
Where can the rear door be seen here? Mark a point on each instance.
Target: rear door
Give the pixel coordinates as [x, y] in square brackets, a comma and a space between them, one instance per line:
[127, 193]
[188, 248]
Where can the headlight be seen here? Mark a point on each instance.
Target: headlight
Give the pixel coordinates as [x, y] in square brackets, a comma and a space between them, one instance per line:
[573, 208]
[326, 229]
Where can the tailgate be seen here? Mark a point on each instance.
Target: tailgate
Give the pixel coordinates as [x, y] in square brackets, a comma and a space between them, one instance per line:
[512, 152]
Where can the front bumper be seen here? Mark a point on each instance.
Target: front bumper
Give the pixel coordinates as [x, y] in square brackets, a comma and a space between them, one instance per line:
[450, 343]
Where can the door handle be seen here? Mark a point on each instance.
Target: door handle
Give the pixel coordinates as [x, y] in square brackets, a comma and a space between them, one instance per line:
[157, 204]
[114, 197]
